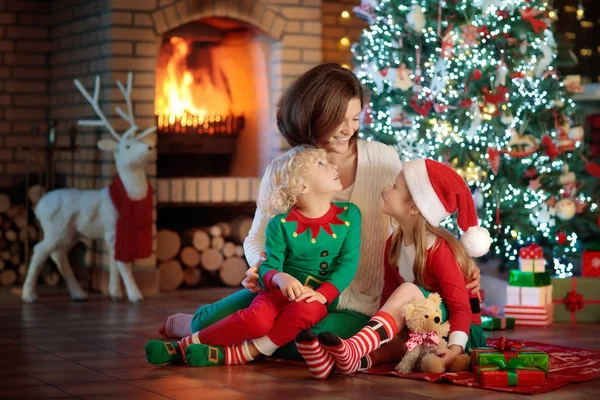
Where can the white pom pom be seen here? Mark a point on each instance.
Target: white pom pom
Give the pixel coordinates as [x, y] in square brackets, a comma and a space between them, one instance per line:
[476, 240]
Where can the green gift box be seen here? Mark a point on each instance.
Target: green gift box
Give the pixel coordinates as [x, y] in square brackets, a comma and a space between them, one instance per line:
[497, 323]
[529, 279]
[576, 299]
[528, 357]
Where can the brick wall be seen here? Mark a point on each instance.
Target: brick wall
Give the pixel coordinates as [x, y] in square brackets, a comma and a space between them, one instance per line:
[335, 27]
[24, 82]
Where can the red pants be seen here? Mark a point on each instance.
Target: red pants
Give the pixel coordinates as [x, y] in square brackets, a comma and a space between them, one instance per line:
[270, 313]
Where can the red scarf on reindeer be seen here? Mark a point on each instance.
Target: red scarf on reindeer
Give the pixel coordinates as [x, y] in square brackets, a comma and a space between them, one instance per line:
[134, 224]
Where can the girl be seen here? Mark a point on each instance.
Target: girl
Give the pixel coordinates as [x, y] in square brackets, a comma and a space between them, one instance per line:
[419, 251]
[322, 108]
[312, 250]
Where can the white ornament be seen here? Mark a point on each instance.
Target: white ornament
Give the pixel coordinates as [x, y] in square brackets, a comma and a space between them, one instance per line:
[478, 198]
[398, 118]
[556, 103]
[416, 18]
[409, 146]
[548, 48]
[403, 80]
[366, 10]
[565, 209]
[576, 133]
[506, 118]
[543, 217]
[573, 84]
[439, 79]
[476, 122]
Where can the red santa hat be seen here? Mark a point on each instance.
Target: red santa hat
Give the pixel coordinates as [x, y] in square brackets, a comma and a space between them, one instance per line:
[438, 191]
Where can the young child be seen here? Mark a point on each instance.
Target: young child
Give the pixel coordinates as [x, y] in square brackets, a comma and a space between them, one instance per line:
[419, 251]
[312, 251]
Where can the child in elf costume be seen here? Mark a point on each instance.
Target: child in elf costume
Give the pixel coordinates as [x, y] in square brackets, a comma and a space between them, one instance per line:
[298, 286]
[419, 251]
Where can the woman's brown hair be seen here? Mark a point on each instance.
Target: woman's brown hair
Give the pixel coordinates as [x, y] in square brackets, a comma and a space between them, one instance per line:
[422, 227]
[315, 104]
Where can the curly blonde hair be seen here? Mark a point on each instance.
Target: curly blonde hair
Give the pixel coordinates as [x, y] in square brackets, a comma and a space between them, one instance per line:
[284, 178]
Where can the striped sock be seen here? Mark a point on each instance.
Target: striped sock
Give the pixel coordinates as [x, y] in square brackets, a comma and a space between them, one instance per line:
[177, 326]
[187, 342]
[348, 353]
[320, 363]
[204, 355]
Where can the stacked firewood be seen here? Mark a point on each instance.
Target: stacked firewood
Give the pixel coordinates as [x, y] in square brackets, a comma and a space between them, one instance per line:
[203, 254]
[17, 237]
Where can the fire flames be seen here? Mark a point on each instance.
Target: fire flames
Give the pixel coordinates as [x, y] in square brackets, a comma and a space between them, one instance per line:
[184, 94]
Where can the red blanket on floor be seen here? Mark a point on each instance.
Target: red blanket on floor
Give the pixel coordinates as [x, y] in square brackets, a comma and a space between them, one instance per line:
[566, 365]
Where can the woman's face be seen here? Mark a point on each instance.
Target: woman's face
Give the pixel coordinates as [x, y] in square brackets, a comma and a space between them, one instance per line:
[339, 140]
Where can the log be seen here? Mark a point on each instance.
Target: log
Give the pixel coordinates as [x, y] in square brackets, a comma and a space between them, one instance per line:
[240, 228]
[1, 265]
[228, 249]
[217, 243]
[6, 255]
[4, 202]
[8, 277]
[15, 248]
[22, 270]
[215, 231]
[225, 229]
[3, 244]
[33, 234]
[12, 211]
[233, 271]
[15, 259]
[171, 275]
[189, 257]
[212, 259]
[192, 276]
[35, 193]
[21, 220]
[168, 244]
[10, 235]
[52, 278]
[197, 238]
[239, 251]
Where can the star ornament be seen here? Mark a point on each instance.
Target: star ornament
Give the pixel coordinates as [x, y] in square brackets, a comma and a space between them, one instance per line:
[315, 224]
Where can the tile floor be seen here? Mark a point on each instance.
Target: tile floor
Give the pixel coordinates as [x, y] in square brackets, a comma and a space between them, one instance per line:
[95, 350]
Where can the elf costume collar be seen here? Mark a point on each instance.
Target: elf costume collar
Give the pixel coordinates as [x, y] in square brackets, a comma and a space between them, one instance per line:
[315, 224]
[134, 224]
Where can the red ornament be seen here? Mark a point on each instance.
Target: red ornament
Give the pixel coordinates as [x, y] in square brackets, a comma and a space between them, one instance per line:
[499, 97]
[551, 148]
[561, 238]
[477, 74]
[531, 173]
[494, 159]
[529, 14]
[502, 13]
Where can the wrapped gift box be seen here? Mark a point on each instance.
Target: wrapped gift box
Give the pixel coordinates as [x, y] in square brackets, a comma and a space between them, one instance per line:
[529, 279]
[541, 316]
[531, 259]
[497, 323]
[528, 296]
[497, 377]
[507, 355]
[590, 263]
[576, 299]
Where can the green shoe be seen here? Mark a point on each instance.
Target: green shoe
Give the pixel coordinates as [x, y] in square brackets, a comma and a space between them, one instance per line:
[158, 352]
[204, 355]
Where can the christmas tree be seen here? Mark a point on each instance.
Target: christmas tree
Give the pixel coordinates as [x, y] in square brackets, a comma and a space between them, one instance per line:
[473, 83]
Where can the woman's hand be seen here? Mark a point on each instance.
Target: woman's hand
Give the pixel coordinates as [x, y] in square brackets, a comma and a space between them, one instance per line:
[250, 282]
[311, 295]
[289, 286]
[448, 354]
[474, 286]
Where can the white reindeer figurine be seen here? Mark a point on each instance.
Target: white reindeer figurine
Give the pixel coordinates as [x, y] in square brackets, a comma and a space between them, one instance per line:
[67, 214]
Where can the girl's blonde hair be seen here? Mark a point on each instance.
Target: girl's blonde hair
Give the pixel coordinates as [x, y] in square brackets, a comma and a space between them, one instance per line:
[422, 227]
[284, 178]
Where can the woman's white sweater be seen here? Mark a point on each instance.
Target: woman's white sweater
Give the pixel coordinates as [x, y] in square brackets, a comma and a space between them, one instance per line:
[378, 165]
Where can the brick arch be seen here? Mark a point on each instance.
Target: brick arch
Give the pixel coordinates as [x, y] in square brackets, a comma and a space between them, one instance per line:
[252, 12]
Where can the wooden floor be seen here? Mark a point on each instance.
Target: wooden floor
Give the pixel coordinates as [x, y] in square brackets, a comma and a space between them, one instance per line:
[95, 350]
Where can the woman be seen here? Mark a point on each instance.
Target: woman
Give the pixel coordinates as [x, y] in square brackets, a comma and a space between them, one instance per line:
[322, 108]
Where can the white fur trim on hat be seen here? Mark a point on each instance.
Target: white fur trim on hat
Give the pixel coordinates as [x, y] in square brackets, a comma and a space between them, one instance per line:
[476, 241]
[422, 192]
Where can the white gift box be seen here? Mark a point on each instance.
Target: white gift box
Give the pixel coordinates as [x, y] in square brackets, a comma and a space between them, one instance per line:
[541, 316]
[528, 296]
[532, 265]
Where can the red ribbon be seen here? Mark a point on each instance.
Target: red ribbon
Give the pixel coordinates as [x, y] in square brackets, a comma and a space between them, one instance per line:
[529, 14]
[507, 345]
[429, 339]
[574, 301]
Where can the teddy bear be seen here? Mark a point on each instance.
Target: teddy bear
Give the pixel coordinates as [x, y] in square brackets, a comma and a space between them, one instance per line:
[424, 322]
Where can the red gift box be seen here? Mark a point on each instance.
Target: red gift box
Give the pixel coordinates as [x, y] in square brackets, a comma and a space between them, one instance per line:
[496, 377]
[531, 252]
[590, 263]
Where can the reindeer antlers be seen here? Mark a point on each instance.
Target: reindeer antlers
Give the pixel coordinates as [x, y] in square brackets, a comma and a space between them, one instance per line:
[102, 121]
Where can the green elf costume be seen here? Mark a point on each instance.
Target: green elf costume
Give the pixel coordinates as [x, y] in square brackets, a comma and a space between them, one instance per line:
[322, 253]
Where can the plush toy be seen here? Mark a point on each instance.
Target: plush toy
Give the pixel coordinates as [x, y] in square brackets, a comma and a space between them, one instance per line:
[426, 330]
